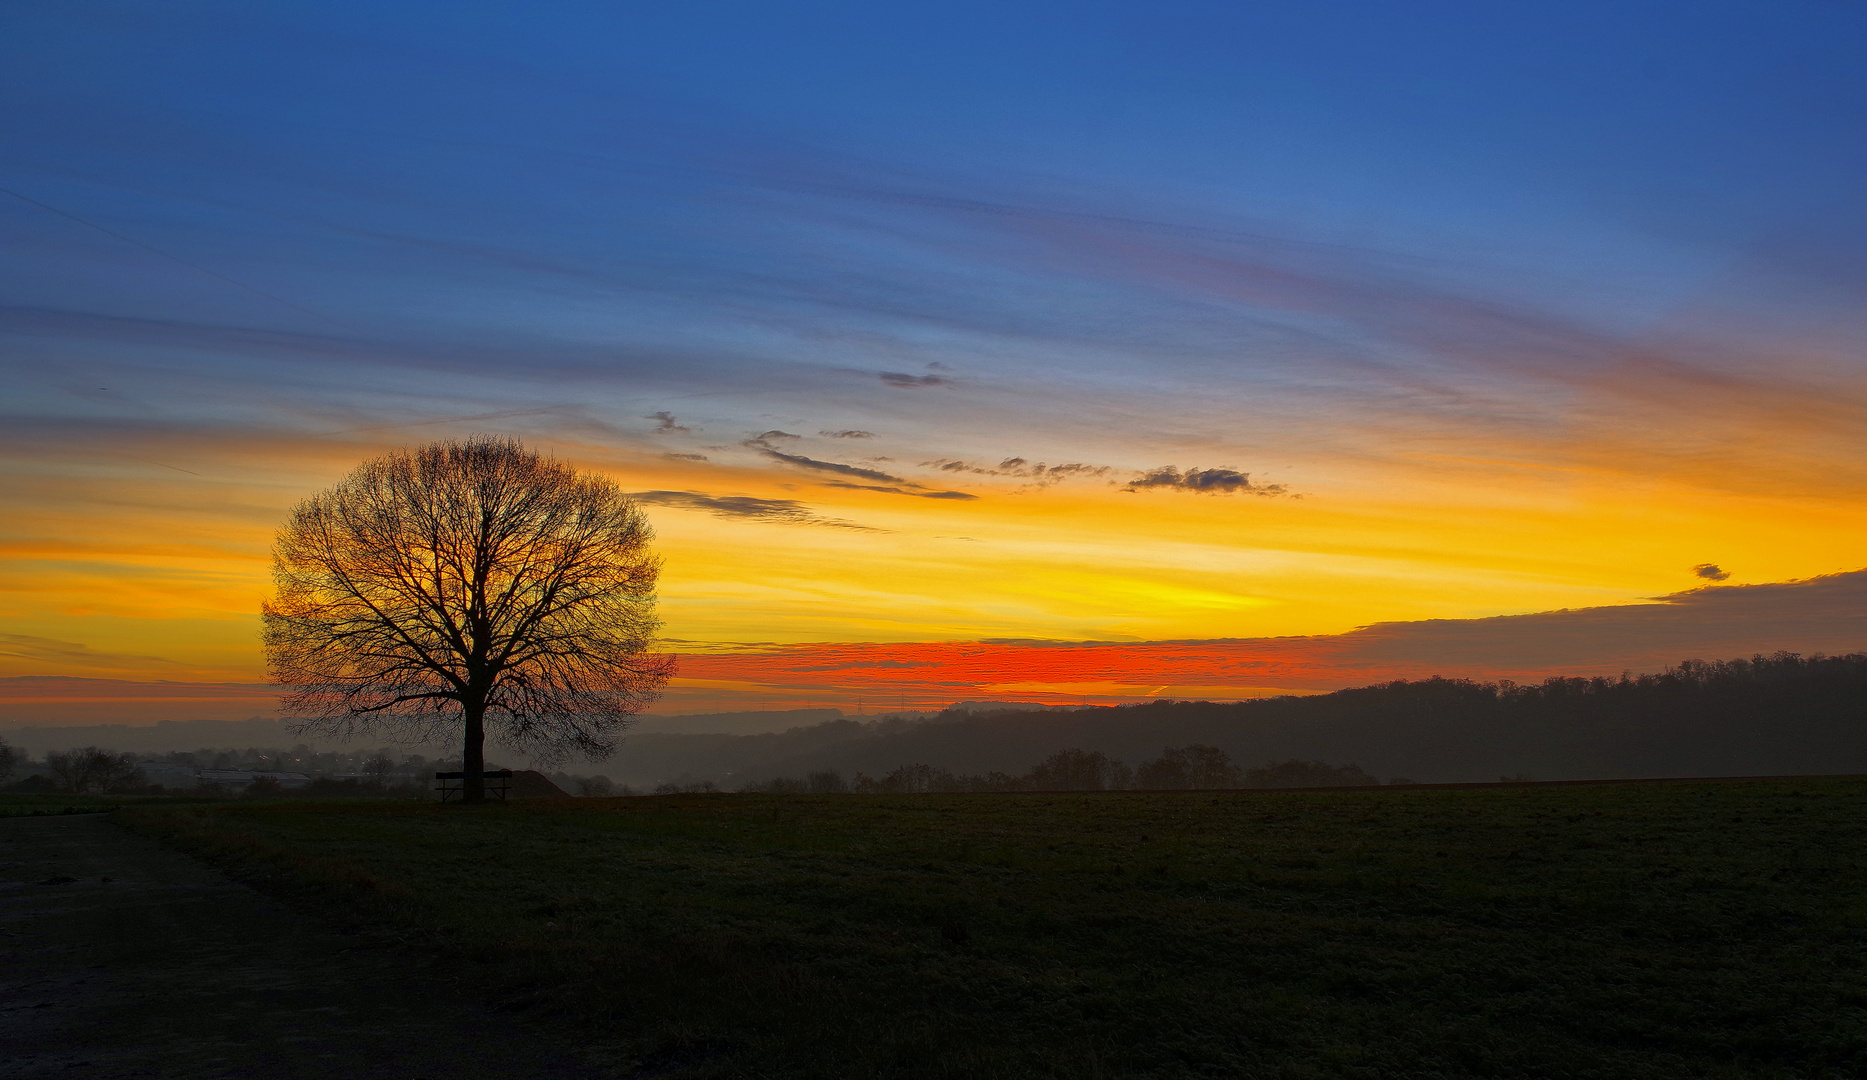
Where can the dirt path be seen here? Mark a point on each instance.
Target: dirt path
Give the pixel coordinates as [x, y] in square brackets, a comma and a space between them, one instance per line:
[120, 958]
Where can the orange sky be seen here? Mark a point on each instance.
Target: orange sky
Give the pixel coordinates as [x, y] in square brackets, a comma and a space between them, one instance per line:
[1826, 614]
[143, 556]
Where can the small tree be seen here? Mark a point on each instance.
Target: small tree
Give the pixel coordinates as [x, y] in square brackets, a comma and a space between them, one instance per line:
[9, 759]
[826, 783]
[264, 787]
[379, 768]
[1193, 766]
[1078, 770]
[92, 768]
[465, 588]
[1295, 773]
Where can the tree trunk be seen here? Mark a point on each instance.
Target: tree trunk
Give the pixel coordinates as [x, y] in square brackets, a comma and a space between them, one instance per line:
[473, 752]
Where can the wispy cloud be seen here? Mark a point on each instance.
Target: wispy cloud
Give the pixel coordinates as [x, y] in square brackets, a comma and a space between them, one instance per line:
[1038, 473]
[850, 434]
[746, 507]
[837, 467]
[917, 492]
[54, 651]
[664, 423]
[886, 483]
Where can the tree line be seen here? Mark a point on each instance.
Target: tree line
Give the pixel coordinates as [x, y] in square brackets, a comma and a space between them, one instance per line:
[1780, 714]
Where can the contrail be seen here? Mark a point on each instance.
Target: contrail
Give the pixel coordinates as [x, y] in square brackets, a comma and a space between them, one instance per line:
[177, 468]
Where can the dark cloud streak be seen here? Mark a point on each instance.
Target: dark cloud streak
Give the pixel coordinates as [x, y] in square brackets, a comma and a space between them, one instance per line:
[1203, 482]
[748, 508]
[903, 380]
[814, 465]
[917, 492]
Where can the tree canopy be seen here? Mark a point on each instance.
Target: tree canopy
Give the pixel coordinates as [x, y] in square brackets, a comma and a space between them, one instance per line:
[472, 588]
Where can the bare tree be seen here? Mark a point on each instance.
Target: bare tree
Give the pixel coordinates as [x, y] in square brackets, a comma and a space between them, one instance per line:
[1192, 766]
[379, 769]
[92, 768]
[467, 588]
[1078, 770]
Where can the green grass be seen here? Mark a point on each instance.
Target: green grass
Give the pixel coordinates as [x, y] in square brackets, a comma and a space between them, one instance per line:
[1652, 930]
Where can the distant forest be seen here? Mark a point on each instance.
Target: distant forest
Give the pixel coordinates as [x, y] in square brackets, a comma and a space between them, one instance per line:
[1770, 715]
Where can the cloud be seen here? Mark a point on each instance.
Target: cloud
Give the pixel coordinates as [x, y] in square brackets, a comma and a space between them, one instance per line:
[1711, 571]
[775, 434]
[1203, 481]
[665, 423]
[1040, 474]
[803, 462]
[889, 484]
[916, 491]
[851, 434]
[687, 457]
[54, 651]
[1823, 614]
[896, 378]
[747, 508]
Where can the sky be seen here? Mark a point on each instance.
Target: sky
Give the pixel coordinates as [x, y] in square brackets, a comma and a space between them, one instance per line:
[1144, 349]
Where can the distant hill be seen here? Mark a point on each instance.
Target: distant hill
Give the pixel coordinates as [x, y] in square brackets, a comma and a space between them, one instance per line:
[733, 723]
[1766, 716]
[777, 720]
[1778, 715]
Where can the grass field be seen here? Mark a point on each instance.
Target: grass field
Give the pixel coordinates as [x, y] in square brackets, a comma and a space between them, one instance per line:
[1650, 930]
[40, 805]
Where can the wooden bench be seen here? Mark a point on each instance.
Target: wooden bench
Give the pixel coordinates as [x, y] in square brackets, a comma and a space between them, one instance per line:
[452, 784]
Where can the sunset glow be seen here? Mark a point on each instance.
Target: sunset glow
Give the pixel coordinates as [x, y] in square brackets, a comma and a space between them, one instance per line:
[1092, 370]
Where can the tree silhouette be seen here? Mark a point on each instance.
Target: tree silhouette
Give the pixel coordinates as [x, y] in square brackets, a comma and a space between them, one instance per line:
[93, 768]
[467, 588]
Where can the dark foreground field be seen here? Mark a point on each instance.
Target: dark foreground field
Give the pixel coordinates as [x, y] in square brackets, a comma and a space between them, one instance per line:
[1651, 930]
